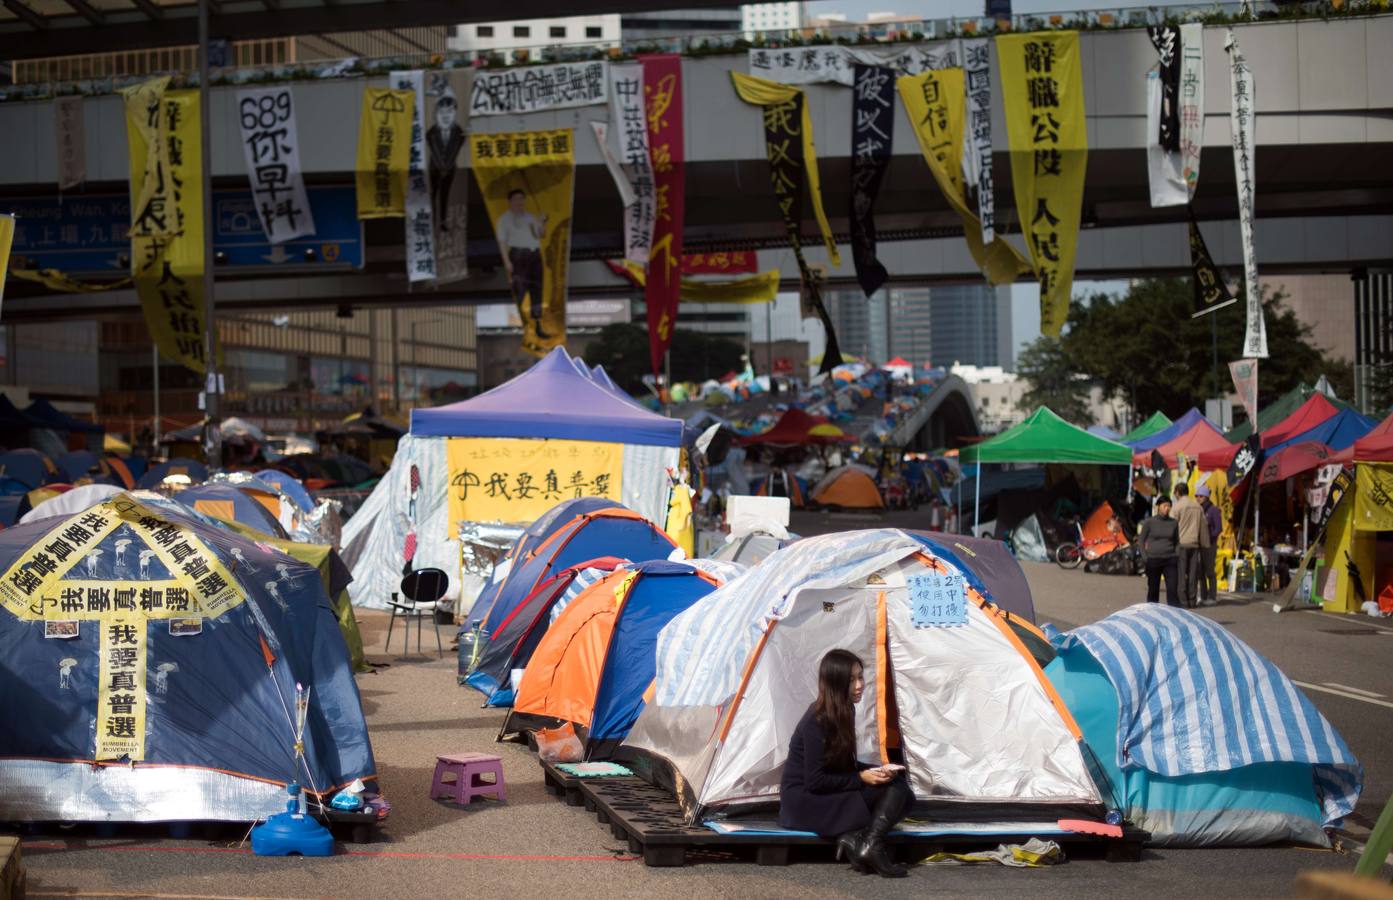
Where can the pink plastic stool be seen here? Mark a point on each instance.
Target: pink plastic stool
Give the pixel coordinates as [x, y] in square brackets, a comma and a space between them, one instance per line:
[467, 783]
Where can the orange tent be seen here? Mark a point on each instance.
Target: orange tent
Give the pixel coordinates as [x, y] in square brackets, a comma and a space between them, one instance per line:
[848, 487]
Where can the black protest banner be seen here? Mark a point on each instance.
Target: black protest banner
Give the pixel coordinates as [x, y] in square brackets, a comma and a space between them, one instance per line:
[872, 128]
[1166, 39]
[1211, 290]
[1245, 460]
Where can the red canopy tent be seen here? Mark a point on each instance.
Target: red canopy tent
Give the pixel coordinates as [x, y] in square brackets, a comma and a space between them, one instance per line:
[793, 427]
[1294, 459]
[1376, 446]
[1201, 437]
[1308, 415]
[1218, 458]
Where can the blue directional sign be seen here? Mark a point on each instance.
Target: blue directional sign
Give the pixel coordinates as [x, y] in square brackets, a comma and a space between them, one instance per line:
[88, 234]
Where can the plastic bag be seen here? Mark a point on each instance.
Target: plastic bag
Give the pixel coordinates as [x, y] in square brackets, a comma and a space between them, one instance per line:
[559, 745]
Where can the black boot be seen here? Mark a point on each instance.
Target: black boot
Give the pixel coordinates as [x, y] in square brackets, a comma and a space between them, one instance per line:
[849, 848]
[891, 806]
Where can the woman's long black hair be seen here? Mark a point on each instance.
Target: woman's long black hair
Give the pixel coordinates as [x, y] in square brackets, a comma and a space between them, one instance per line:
[833, 708]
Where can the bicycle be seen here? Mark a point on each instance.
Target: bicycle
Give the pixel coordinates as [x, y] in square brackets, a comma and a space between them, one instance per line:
[1070, 554]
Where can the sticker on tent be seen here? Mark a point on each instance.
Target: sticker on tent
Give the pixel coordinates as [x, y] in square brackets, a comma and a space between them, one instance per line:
[936, 600]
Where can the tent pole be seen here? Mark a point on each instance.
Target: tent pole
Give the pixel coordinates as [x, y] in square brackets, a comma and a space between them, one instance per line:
[977, 501]
[155, 351]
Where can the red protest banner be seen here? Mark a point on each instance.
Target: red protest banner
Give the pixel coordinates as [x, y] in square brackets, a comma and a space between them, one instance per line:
[662, 79]
[720, 262]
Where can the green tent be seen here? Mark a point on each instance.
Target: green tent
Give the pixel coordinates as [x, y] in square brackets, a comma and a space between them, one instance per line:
[1158, 422]
[1276, 411]
[1046, 438]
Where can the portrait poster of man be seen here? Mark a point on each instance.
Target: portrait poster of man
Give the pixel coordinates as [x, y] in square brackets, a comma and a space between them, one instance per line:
[527, 180]
[446, 93]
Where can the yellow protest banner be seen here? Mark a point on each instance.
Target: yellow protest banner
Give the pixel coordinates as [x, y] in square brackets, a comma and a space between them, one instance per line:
[1373, 504]
[527, 179]
[1042, 90]
[762, 287]
[7, 237]
[166, 152]
[516, 480]
[384, 152]
[59, 281]
[936, 105]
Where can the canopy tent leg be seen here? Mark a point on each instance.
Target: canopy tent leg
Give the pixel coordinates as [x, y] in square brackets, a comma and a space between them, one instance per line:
[977, 501]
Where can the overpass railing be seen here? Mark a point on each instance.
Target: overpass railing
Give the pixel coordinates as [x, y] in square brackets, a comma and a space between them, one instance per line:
[719, 43]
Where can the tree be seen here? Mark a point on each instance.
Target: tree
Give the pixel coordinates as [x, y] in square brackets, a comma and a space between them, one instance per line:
[1046, 367]
[623, 350]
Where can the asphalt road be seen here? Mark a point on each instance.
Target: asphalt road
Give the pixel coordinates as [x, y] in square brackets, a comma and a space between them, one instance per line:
[535, 846]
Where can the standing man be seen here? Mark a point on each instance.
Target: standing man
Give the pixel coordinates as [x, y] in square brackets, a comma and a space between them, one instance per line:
[519, 236]
[1209, 583]
[1158, 542]
[1194, 537]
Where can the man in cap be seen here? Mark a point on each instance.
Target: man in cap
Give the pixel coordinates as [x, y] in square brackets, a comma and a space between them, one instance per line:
[1215, 524]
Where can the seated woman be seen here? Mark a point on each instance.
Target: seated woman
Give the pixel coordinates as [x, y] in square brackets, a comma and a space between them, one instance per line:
[826, 790]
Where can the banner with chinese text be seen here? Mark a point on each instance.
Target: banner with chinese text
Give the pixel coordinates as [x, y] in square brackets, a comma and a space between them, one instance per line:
[977, 154]
[384, 152]
[1245, 174]
[836, 64]
[662, 88]
[516, 480]
[631, 124]
[1191, 103]
[527, 179]
[70, 141]
[872, 133]
[1042, 96]
[526, 89]
[1373, 504]
[166, 154]
[419, 224]
[444, 123]
[788, 146]
[721, 262]
[271, 147]
[935, 103]
[1163, 173]
[1245, 384]
[1211, 291]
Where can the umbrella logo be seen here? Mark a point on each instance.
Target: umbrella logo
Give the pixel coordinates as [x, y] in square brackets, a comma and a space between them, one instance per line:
[162, 676]
[283, 571]
[121, 546]
[273, 588]
[242, 560]
[144, 563]
[65, 673]
[93, 556]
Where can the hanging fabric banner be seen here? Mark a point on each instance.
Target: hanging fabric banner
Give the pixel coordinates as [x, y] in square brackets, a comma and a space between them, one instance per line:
[662, 88]
[977, 152]
[627, 111]
[1191, 104]
[1042, 88]
[1245, 383]
[70, 141]
[419, 225]
[58, 281]
[761, 287]
[721, 262]
[836, 64]
[872, 133]
[1211, 291]
[528, 182]
[1245, 174]
[616, 173]
[788, 145]
[1373, 503]
[166, 155]
[271, 148]
[449, 183]
[526, 89]
[7, 238]
[1166, 40]
[1163, 173]
[935, 104]
[384, 152]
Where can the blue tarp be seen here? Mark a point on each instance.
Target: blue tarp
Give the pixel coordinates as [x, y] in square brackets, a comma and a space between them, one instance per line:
[1173, 430]
[245, 510]
[291, 486]
[28, 467]
[550, 400]
[1337, 432]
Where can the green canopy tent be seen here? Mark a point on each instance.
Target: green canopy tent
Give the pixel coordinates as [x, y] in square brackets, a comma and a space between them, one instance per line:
[1159, 421]
[1043, 438]
[1278, 410]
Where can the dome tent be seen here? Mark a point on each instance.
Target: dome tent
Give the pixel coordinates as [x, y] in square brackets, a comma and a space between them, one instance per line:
[146, 597]
[848, 487]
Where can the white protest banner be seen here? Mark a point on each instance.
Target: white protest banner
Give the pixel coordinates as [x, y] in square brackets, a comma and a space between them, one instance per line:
[1245, 383]
[1191, 103]
[419, 221]
[272, 152]
[1162, 166]
[1241, 120]
[70, 139]
[621, 182]
[627, 111]
[525, 89]
[976, 59]
[811, 65]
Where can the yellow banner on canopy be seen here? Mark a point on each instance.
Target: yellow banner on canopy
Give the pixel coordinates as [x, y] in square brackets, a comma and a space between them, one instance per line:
[1373, 504]
[527, 179]
[936, 105]
[1042, 91]
[384, 152]
[516, 480]
[763, 92]
[761, 287]
[163, 135]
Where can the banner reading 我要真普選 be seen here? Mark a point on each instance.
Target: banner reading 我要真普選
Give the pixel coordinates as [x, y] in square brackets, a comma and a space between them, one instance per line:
[1373, 504]
[384, 152]
[527, 179]
[162, 136]
[1042, 97]
[788, 146]
[872, 133]
[516, 480]
[662, 99]
[935, 103]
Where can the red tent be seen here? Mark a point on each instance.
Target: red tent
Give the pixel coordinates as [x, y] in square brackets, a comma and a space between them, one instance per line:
[1294, 459]
[1218, 458]
[1376, 446]
[1201, 437]
[898, 362]
[793, 427]
[1308, 415]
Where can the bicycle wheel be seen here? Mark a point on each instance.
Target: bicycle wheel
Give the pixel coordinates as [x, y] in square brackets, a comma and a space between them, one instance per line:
[1068, 556]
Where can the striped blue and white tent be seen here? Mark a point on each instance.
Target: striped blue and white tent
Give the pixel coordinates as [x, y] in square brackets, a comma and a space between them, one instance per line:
[1205, 741]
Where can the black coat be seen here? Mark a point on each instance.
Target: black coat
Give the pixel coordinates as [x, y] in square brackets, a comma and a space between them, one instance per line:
[814, 798]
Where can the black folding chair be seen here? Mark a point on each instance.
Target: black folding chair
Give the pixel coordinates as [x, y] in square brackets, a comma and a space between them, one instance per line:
[422, 589]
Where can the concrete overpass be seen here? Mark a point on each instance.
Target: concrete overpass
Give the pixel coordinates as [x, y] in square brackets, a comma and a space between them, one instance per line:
[1324, 199]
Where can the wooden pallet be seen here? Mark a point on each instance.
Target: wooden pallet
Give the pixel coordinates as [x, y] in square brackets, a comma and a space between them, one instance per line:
[565, 786]
[651, 821]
